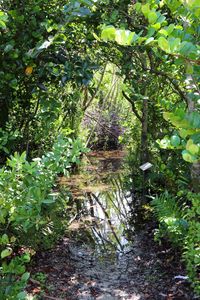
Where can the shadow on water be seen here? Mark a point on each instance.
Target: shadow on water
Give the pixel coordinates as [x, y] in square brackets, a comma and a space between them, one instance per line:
[100, 202]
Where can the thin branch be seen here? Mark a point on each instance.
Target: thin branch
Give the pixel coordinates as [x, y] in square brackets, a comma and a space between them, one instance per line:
[133, 106]
[176, 89]
[87, 104]
[106, 127]
[102, 108]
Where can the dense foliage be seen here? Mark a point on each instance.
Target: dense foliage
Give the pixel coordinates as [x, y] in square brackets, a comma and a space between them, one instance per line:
[33, 213]
[115, 73]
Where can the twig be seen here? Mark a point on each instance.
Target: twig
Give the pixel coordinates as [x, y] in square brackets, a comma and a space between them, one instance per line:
[134, 109]
[96, 91]
[102, 125]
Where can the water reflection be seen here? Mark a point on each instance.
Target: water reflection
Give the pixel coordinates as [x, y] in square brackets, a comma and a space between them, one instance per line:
[102, 204]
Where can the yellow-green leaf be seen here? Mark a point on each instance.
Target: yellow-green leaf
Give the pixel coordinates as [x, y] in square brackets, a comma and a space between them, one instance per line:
[163, 44]
[145, 9]
[108, 33]
[6, 252]
[152, 17]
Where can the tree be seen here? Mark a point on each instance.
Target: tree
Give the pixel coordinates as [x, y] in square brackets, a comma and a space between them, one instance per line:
[45, 67]
[171, 36]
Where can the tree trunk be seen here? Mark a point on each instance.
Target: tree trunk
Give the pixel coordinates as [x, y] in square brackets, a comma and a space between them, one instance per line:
[144, 153]
[3, 113]
[195, 175]
[144, 133]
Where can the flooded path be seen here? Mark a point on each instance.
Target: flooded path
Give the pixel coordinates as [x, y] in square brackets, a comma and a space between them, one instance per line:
[102, 256]
[102, 204]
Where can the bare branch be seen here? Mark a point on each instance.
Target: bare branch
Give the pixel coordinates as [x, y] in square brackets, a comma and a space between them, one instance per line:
[87, 104]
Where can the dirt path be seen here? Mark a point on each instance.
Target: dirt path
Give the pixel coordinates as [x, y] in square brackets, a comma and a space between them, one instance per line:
[115, 264]
[75, 272]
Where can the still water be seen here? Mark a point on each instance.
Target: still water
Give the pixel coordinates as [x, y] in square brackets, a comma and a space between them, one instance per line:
[101, 201]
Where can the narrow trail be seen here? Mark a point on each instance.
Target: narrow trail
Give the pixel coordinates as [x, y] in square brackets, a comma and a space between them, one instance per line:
[103, 257]
[75, 272]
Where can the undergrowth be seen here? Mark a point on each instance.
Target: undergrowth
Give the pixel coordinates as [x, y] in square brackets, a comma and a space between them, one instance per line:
[179, 222]
[32, 211]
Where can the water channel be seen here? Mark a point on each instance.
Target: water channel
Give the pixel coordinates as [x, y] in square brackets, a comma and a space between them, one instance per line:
[102, 201]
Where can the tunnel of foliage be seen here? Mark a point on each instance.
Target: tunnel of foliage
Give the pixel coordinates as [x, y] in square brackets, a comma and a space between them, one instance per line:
[102, 74]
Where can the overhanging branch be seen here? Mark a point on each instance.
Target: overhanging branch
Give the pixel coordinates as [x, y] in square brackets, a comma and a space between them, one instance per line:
[133, 106]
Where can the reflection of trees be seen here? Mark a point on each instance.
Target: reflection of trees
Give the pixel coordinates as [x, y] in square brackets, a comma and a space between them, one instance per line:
[113, 164]
[115, 208]
[108, 209]
[108, 219]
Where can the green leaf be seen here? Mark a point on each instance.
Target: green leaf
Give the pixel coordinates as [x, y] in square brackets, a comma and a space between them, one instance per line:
[108, 33]
[137, 6]
[170, 28]
[2, 24]
[96, 37]
[175, 140]
[156, 26]
[152, 17]
[26, 257]
[3, 19]
[194, 149]
[8, 48]
[149, 40]
[164, 143]
[146, 9]
[6, 252]
[22, 296]
[174, 44]
[161, 19]
[187, 156]
[189, 143]
[185, 132]
[186, 48]
[25, 276]
[163, 44]
[191, 147]
[189, 68]
[167, 115]
[124, 37]
[163, 32]
[48, 201]
[4, 239]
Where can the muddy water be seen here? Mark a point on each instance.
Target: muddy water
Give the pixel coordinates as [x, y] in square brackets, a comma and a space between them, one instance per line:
[101, 258]
[101, 202]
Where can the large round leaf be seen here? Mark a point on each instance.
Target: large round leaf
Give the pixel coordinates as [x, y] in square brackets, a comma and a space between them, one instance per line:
[175, 140]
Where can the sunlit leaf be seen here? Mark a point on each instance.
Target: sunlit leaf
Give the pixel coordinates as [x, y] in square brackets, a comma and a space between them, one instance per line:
[6, 252]
[163, 44]
[108, 33]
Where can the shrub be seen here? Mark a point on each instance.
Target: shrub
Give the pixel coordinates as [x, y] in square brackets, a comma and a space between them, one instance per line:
[192, 241]
[170, 214]
[30, 206]
[182, 227]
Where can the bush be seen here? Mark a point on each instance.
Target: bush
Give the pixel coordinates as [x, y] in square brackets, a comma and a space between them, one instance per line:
[170, 214]
[30, 206]
[181, 225]
[192, 241]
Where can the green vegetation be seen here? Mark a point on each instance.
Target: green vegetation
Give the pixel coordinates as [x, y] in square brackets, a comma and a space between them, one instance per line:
[106, 75]
[32, 211]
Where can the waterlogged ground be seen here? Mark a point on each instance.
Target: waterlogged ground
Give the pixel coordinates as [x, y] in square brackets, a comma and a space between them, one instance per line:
[102, 256]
